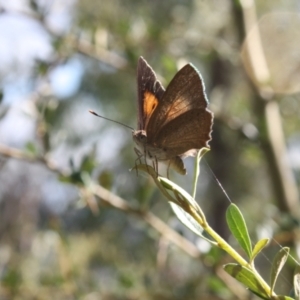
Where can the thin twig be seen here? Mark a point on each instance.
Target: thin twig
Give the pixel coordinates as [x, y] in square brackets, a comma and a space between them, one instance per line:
[112, 200]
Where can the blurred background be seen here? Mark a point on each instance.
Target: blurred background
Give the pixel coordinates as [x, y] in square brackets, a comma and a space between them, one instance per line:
[75, 222]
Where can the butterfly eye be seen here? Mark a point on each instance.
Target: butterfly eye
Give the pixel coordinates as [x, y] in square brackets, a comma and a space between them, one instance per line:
[143, 137]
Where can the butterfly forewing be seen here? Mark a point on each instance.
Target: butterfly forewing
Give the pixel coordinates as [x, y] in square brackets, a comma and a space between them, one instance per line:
[150, 92]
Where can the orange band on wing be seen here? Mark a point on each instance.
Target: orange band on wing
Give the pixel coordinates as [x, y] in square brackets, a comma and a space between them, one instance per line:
[150, 103]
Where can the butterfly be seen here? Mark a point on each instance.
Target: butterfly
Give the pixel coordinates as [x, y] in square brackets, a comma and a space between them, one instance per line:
[172, 123]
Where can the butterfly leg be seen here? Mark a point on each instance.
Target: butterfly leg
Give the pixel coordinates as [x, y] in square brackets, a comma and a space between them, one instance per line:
[155, 165]
[168, 168]
[139, 156]
[145, 156]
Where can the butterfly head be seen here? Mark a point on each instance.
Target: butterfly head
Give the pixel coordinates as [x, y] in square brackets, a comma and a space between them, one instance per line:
[140, 137]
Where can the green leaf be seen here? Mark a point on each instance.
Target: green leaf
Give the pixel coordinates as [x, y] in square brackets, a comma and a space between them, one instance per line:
[88, 164]
[278, 264]
[170, 190]
[261, 244]
[278, 297]
[42, 67]
[161, 185]
[167, 183]
[177, 190]
[260, 296]
[31, 149]
[187, 220]
[238, 228]
[182, 207]
[297, 282]
[246, 277]
[181, 202]
[74, 177]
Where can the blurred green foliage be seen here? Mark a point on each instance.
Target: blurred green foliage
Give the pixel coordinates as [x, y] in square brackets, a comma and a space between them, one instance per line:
[57, 239]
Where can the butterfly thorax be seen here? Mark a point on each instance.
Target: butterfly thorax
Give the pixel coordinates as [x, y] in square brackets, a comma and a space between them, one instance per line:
[144, 148]
[156, 153]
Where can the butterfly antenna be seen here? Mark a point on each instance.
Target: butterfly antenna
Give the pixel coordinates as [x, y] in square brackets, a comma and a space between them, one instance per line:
[94, 113]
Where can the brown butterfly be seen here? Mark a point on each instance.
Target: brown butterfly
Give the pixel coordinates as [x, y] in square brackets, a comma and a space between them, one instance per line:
[172, 123]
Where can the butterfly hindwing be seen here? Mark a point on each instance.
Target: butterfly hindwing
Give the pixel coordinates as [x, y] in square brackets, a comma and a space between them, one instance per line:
[184, 93]
[190, 130]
